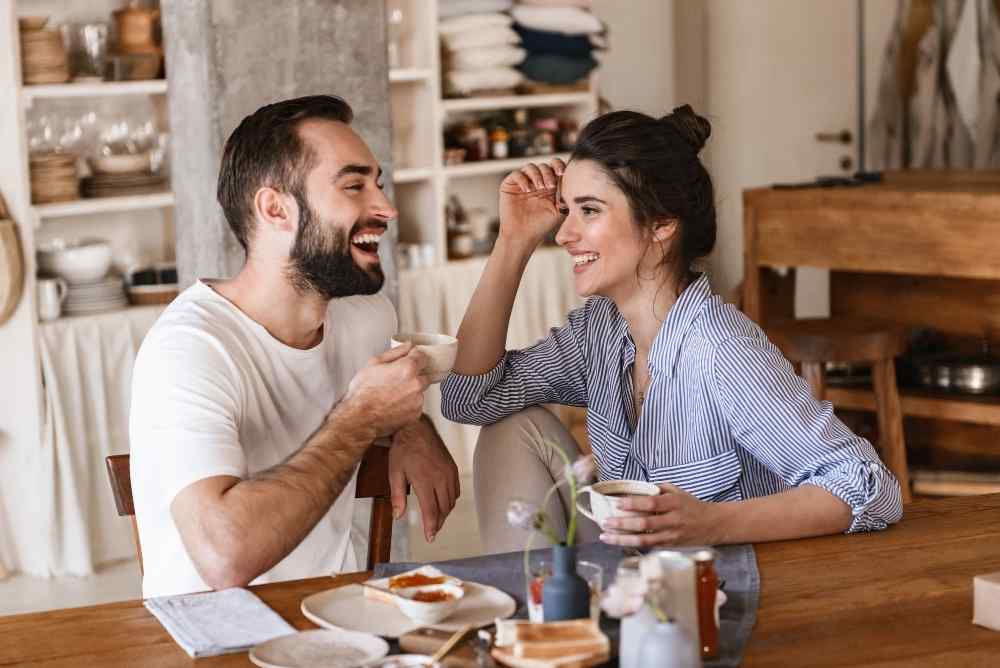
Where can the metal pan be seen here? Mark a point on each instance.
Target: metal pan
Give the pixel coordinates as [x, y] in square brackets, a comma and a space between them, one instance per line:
[966, 374]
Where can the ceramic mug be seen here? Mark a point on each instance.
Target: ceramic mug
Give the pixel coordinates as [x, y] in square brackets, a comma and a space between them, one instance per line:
[51, 295]
[440, 349]
[603, 497]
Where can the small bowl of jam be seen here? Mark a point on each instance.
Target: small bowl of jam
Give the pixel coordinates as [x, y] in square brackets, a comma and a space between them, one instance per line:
[429, 604]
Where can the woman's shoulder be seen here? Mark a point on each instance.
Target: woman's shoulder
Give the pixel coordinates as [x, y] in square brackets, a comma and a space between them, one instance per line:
[722, 323]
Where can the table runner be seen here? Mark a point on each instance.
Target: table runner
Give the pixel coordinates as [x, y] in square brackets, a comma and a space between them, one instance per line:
[736, 564]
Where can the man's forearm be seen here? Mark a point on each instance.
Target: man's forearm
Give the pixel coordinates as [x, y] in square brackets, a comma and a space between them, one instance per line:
[256, 522]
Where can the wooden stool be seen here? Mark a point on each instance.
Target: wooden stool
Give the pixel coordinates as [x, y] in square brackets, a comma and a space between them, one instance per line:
[812, 342]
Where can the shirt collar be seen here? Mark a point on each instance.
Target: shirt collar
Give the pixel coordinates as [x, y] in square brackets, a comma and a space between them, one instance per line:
[682, 315]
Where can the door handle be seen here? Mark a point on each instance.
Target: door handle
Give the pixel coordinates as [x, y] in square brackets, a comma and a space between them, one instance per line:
[842, 137]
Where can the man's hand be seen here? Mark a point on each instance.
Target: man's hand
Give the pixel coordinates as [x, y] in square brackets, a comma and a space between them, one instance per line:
[389, 390]
[419, 457]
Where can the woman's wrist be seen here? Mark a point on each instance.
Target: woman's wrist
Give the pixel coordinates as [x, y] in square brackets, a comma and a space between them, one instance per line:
[516, 247]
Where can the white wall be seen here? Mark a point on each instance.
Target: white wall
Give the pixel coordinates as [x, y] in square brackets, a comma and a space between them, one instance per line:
[637, 72]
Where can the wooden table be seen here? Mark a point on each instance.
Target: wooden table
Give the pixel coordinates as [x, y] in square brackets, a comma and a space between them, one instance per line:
[902, 597]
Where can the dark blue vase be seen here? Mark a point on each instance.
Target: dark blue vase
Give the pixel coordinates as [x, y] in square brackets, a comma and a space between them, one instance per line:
[565, 595]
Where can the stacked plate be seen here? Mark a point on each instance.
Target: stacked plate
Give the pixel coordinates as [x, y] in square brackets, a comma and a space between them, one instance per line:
[115, 185]
[43, 56]
[108, 294]
[53, 177]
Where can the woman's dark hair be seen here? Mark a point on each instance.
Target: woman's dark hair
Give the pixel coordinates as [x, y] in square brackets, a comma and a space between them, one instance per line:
[266, 150]
[655, 163]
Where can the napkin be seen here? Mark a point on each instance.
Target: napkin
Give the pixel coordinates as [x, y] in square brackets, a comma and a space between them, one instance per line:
[986, 600]
[218, 622]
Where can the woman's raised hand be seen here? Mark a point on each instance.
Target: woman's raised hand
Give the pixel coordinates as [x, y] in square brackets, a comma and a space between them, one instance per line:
[529, 208]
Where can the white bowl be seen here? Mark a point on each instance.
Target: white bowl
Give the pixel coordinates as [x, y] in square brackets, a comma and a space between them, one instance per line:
[440, 349]
[125, 163]
[83, 261]
[405, 661]
[429, 612]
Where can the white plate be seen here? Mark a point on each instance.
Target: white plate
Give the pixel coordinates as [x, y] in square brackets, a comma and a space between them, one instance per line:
[348, 608]
[330, 649]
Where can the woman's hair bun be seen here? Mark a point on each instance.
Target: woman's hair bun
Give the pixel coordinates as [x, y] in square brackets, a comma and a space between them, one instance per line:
[692, 128]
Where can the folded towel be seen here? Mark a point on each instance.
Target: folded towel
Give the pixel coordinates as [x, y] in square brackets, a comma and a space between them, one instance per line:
[551, 68]
[218, 622]
[478, 58]
[583, 4]
[540, 41]
[449, 8]
[568, 20]
[474, 22]
[496, 36]
[465, 82]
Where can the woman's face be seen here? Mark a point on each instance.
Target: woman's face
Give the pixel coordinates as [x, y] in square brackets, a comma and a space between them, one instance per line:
[607, 247]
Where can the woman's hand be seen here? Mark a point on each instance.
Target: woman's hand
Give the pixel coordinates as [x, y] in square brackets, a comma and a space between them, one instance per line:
[674, 517]
[528, 206]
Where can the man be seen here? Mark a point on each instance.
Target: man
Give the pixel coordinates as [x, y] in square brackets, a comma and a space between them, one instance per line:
[254, 398]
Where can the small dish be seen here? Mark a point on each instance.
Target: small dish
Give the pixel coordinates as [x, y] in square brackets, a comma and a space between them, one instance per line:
[429, 605]
[405, 661]
[125, 163]
[440, 349]
[320, 647]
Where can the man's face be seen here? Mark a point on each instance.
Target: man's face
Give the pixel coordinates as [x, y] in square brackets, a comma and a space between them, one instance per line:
[342, 215]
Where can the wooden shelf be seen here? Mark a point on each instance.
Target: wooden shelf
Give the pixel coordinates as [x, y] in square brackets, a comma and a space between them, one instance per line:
[97, 89]
[978, 410]
[497, 166]
[82, 207]
[409, 75]
[411, 175]
[518, 101]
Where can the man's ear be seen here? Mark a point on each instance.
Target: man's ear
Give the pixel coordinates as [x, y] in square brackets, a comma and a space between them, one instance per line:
[276, 209]
[664, 230]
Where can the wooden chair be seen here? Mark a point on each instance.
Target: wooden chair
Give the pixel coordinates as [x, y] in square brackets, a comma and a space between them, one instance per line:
[812, 342]
[373, 483]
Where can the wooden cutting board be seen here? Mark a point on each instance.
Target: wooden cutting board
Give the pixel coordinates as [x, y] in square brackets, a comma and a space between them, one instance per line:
[11, 269]
[428, 641]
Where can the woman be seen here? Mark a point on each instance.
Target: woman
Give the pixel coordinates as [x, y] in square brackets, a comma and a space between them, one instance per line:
[681, 389]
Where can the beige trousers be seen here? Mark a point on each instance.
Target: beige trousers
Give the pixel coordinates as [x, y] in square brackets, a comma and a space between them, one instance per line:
[512, 461]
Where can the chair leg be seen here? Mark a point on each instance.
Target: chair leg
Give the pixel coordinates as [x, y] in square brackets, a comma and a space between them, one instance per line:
[890, 423]
[138, 546]
[815, 376]
[379, 532]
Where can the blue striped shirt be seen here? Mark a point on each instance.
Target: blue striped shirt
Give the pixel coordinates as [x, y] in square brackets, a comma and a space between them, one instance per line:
[725, 417]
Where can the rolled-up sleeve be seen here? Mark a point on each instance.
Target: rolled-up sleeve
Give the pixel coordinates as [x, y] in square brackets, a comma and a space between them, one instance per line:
[773, 415]
[551, 371]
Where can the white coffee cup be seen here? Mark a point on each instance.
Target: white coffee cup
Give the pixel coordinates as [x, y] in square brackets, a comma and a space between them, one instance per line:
[440, 349]
[51, 295]
[605, 494]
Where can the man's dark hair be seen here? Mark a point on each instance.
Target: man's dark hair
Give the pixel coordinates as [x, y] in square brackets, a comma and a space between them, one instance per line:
[266, 150]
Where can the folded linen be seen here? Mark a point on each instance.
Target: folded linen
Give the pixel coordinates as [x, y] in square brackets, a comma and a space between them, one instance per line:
[218, 622]
[542, 41]
[465, 82]
[495, 36]
[552, 68]
[568, 20]
[483, 58]
[474, 22]
[450, 8]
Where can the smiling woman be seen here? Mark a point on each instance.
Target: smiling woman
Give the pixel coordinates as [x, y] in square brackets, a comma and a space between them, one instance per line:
[682, 390]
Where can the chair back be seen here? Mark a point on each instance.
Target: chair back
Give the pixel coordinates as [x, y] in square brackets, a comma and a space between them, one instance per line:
[373, 483]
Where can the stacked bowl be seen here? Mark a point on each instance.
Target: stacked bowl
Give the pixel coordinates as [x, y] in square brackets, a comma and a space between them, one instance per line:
[85, 265]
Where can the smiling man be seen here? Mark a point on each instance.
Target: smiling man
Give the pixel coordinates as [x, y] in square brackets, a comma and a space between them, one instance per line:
[254, 398]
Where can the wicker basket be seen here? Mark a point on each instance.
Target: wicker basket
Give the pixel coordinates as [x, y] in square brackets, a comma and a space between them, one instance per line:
[149, 295]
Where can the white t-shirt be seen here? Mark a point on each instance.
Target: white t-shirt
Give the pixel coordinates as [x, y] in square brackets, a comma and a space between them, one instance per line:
[213, 393]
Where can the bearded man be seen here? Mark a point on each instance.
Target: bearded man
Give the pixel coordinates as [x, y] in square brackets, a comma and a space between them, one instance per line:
[254, 398]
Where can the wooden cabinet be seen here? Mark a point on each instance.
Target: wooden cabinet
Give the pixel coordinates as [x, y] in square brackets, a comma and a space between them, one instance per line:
[920, 249]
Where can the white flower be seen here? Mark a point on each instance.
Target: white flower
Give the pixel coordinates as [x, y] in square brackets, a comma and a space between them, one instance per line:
[522, 514]
[620, 601]
[584, 469]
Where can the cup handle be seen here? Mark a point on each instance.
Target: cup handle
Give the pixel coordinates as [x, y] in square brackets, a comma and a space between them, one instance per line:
[63, 289]
[588, 512]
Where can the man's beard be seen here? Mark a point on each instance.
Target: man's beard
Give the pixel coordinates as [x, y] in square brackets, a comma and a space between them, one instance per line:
[321, 261]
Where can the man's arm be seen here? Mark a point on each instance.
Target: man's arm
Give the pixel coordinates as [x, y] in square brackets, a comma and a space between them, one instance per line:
[235, 529]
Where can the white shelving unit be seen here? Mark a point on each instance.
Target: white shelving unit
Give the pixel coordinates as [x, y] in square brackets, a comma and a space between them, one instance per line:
[90, 206]
[99, 89]
[420, 115]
